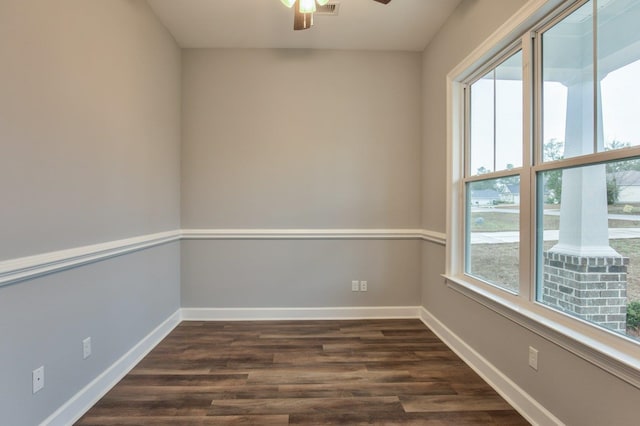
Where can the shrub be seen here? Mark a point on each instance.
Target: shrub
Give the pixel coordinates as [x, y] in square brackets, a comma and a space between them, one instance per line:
[633, 315]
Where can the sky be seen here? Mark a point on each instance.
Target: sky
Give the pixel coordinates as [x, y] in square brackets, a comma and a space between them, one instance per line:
[620, 111]
[621, 104]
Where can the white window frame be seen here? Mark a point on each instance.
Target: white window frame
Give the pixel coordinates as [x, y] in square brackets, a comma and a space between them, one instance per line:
[610, 351]
[468, 177]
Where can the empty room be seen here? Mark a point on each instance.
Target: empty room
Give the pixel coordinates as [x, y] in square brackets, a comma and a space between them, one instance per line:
[314, 212]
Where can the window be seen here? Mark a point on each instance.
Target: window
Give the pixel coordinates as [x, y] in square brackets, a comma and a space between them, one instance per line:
[493, 187]
[587, 251]
[545, 175]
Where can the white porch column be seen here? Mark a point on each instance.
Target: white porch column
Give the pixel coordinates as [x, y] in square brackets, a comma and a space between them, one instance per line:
[584, 228]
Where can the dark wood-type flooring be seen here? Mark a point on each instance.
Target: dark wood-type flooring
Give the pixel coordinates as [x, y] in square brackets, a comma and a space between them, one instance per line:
[383, 372]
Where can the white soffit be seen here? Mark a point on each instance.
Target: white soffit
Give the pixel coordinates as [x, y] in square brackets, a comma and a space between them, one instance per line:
[360, 24]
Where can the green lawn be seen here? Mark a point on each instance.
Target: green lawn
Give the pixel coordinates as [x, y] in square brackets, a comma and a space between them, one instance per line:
[492, 221]
[499, 263]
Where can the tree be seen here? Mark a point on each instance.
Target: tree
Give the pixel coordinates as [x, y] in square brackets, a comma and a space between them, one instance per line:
[621, 166]
[553, 186]
[552, 150]
[617, 170]
[613, 190]
[510, 180]
[484, 184]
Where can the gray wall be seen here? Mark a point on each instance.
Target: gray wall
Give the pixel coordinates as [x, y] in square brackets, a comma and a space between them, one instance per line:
[282, 138]
[278, 138]
[299, 273]
[43, 321]
[90, 132]
[577, 392]
[90, 124]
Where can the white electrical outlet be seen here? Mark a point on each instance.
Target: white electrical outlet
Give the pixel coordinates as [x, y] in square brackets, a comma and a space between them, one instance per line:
[86, 348]
[533, 358]
[363, 286]
[355, 286]
[38, 379]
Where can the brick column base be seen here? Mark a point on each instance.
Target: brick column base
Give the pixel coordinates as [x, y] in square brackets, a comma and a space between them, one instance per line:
[592, 288]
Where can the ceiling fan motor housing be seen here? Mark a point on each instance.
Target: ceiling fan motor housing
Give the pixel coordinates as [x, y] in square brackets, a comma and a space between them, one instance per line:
[304, 10]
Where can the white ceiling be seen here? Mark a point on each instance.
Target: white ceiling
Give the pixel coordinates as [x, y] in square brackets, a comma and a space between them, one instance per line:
[360, 24]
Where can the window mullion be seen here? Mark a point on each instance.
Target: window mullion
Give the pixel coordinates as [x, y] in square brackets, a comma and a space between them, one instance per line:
[596, 84]
[467, 131]
[536, 92]
[527, 192]
[495, 126]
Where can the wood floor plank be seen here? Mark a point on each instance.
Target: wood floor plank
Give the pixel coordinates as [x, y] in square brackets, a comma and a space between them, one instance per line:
[441, 403]
[170, 407]
[409, 419]
[343, 372]
[305, 405]
[266, 420]
[357, 345]
[367, 389]
[185, 380]
[306, 375]
[320, 357]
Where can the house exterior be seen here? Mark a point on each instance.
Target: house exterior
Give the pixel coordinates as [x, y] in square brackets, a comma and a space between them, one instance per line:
[511, 194]
[628, 186]
[485, 197]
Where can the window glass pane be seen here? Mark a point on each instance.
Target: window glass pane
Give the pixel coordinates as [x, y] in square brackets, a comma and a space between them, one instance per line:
[589, 243]
[482, 119]
[496, 118]
[555, 120]
[618, 42]
[509, 113]
[492, 231]
[567, 78]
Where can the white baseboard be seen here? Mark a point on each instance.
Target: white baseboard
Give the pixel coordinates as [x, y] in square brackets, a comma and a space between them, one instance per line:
[81, 402]
[265, 314]
[528, 407]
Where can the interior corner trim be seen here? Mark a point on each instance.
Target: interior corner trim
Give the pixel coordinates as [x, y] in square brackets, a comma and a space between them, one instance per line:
[24, 268]
[434, 237]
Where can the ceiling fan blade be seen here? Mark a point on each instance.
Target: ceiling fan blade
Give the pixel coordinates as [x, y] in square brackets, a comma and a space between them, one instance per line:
[383, 1]
[301, 21]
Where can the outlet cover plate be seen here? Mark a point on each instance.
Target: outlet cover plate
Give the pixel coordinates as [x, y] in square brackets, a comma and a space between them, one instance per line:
[86, 348]
[533, 358]
[38, 379]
